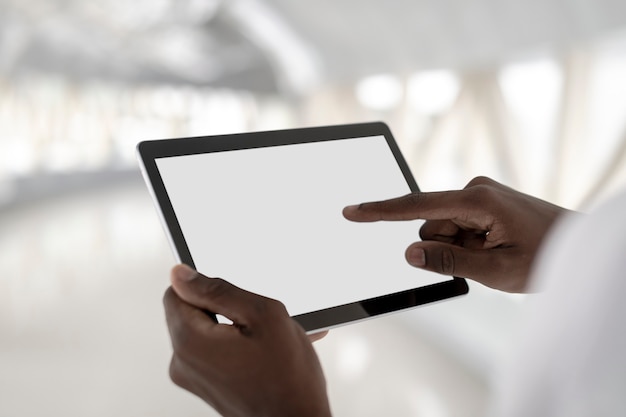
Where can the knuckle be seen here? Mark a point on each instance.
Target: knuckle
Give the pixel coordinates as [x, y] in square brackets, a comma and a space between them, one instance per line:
[447, 261]
[407, 204]
[413, 199]
[476, 196]
[275, 308]
[269, 308]
[426, 232]
[181, 336]
[214, 288]
[480, 180]
[430, 229]
[176, 373]
[181, 332]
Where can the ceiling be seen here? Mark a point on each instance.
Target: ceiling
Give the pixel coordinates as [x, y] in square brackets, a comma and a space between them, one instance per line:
[283, 45]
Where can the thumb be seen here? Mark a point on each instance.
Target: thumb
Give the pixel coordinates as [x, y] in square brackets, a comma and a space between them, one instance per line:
[214, 294]
[447, 259]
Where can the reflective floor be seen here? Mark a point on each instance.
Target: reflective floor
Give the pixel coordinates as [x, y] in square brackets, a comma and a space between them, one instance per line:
[82, 330]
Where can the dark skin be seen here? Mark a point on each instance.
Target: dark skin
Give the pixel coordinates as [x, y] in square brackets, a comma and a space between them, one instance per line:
[264, 364]
[486, 232]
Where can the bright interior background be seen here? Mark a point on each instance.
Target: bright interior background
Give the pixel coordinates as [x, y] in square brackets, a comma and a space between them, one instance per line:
[531, 93]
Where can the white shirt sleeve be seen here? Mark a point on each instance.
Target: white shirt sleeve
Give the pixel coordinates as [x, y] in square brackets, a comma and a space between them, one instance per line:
[570, 357]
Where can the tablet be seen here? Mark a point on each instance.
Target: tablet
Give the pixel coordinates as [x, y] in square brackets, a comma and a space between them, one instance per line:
[263, 211]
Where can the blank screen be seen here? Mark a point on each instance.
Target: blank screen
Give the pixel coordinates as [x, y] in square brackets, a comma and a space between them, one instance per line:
[269, 220]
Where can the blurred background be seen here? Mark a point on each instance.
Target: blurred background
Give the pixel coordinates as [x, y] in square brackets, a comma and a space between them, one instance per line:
[531, 93]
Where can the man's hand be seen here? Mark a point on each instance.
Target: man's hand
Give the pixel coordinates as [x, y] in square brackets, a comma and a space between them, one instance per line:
[261, 365]
[486, 232]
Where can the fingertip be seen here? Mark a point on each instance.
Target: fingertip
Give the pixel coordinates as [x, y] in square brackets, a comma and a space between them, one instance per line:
[364, 212]
[416, 256]
[314, 337]
[182, 273]
[349, 212]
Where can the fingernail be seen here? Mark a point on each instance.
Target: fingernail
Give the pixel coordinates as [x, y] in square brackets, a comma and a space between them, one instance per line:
[351, 208]
[184, 273]
[417, 257]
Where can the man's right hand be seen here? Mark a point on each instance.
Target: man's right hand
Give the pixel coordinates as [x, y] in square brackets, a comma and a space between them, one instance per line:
[486, 232]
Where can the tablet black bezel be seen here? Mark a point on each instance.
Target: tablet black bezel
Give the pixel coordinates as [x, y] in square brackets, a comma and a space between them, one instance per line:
[149, 151]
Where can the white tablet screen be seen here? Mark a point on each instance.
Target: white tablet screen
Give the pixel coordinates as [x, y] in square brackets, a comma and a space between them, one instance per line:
[269, 220]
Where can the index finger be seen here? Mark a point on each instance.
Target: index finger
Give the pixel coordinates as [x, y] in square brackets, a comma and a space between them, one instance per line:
[183, 319]
[442, 205]
[218, 296]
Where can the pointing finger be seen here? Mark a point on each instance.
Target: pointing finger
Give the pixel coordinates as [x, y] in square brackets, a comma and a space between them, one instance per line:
[463, 206]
